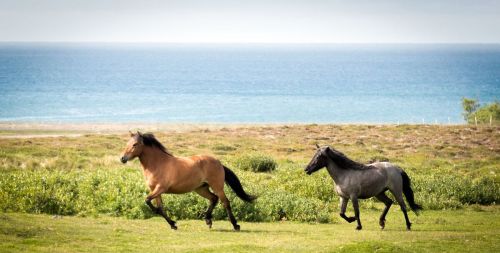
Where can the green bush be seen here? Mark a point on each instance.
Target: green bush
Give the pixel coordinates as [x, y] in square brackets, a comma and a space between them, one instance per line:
[224, 147]
[483, 114]
[286, 194]
[487, 112]
[452, 191]
[122, 193]
[255, 162]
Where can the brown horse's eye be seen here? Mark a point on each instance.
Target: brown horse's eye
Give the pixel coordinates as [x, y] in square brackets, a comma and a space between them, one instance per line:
[135, 144]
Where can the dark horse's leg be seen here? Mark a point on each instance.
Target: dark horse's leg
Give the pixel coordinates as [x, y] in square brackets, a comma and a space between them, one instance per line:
[355, 205]
[388, 202]
[401, 202]
[156, 194]
[205, 192]
[343, 207]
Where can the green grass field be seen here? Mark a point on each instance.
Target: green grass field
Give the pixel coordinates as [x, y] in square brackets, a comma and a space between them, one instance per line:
[433, 231]
[454, 172]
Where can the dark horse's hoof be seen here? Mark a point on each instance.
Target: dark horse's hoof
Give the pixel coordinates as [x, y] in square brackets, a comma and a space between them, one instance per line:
[237, 227]
[359, 227]
[382, 224]
[350, 219]
[209, 223]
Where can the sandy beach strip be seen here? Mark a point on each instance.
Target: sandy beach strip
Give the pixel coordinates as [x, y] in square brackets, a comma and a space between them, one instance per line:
[55, 129]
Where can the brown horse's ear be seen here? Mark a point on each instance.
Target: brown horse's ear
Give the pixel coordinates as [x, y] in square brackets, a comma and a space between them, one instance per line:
[139, 137]
[131, 134]
[317, 145]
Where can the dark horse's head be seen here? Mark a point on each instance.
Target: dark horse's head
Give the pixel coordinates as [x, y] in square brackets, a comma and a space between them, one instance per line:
[325, 154]
[319, 161]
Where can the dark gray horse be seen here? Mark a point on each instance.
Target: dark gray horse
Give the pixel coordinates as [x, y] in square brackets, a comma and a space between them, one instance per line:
[355, 181]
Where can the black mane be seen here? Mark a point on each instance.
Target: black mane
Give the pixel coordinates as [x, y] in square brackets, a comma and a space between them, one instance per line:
[343, 161]
[150, 140]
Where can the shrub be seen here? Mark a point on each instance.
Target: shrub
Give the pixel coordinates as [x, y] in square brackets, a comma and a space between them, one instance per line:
[286, 194]
[223, 147]
[487, 112]
[452, 191]
[483, 114]
[255, 162]
[122, 193]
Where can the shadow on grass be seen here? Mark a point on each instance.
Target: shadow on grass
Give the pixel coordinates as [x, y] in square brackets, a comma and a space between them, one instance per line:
[249, 231]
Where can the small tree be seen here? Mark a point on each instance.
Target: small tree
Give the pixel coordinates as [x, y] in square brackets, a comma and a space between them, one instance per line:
[483, 114]
[470, 106]
[487, 112]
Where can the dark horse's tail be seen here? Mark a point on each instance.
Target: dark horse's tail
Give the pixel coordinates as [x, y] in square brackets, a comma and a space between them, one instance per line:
[233, 181]
[409, 193]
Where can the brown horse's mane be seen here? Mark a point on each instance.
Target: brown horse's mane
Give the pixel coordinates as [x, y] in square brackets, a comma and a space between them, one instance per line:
[150, 140]
[344, 162]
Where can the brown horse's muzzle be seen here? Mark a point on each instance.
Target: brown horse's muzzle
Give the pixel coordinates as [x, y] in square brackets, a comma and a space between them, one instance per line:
[124, 159]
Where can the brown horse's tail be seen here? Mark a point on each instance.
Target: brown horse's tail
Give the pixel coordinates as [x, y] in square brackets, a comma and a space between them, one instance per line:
[235, 184]
[409, 193]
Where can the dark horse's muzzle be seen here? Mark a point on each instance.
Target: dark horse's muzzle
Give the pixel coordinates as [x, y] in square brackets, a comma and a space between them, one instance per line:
[308, 171]
[124, 159]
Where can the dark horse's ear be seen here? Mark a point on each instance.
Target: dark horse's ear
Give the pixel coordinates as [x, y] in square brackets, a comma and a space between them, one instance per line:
[328, 151]
[317, 145]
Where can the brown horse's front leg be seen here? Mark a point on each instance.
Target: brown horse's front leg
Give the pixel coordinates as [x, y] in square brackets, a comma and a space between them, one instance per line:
[161, 212]
[156, 194]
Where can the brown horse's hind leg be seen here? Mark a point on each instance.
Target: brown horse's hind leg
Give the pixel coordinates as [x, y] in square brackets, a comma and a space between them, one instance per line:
[206, 193]
[219, 191]
[388, 202]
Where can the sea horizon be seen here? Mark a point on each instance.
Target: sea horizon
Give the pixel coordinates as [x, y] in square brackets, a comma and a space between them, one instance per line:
[245, 83]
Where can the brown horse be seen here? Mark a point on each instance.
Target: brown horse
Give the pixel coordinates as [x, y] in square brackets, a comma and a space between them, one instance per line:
[166, 173]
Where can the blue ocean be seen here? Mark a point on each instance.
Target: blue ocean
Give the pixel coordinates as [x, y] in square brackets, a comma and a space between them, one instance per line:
[254, 83]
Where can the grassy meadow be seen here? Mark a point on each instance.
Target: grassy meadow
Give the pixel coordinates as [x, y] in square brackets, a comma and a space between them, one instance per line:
[69, 192]
[434, 231]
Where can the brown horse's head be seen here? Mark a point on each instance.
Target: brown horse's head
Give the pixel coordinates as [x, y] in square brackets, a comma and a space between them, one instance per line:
[319, 161]
[134, 147]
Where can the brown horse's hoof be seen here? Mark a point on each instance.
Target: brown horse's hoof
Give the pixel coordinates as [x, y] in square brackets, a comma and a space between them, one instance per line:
[172, 225]
[408, 227]
[237, 227]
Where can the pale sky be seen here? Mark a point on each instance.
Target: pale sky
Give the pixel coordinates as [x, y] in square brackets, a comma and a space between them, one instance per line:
[254, 21]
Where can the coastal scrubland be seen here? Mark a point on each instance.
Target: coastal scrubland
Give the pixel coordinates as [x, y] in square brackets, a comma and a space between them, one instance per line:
[77, 175]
